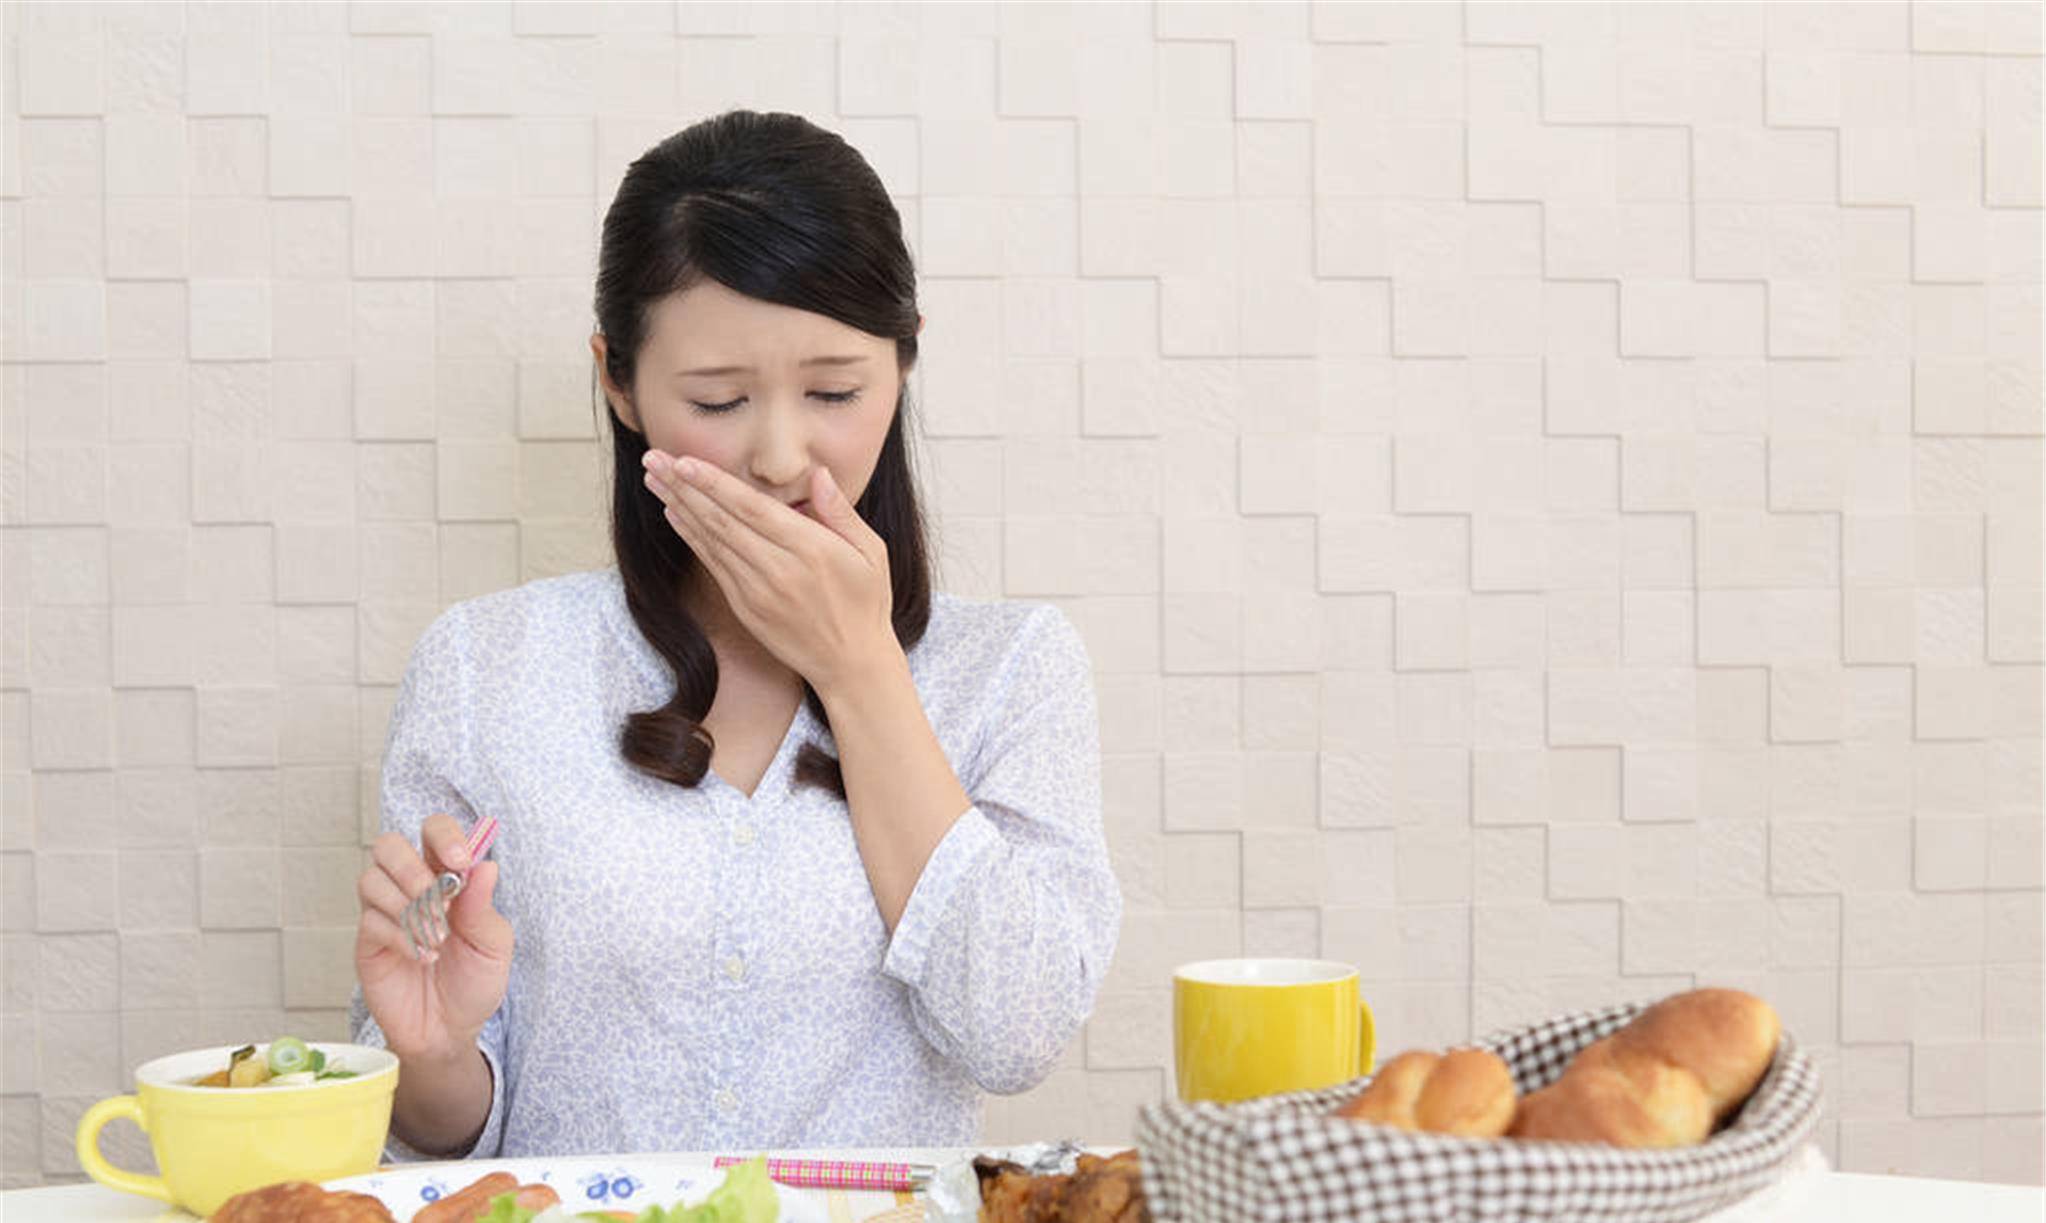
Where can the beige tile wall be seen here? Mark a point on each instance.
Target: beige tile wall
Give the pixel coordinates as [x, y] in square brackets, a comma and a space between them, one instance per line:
[1552, 492]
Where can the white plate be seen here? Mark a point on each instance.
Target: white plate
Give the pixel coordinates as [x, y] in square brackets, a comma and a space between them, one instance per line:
[604, 1182]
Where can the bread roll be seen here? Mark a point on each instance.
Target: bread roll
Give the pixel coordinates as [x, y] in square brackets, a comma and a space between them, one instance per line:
[1466, 1092]
[1665, 1080]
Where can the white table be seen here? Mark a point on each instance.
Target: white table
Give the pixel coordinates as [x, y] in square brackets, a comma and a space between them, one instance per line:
[1814, 1194]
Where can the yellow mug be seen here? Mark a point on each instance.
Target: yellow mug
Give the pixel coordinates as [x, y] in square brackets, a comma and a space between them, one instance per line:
[215, 1142]
[1257, 1027]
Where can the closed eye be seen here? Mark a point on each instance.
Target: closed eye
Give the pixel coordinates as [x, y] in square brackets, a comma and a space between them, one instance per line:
[826, 396]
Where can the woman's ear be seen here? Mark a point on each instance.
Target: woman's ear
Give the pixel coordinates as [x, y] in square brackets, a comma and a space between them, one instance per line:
[621, 403]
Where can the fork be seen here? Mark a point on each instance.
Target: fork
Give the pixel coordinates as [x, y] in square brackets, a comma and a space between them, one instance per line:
[425, 919]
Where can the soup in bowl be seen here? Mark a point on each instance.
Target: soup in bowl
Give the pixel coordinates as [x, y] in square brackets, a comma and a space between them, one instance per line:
[214, 1142]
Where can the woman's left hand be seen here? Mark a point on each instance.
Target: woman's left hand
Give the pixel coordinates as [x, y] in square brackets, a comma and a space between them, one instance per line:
[814, 591]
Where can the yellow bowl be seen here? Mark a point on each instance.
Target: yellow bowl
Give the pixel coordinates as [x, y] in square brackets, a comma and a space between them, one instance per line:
[215, 1142]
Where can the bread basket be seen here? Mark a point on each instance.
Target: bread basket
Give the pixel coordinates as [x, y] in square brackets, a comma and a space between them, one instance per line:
[1285, 1158]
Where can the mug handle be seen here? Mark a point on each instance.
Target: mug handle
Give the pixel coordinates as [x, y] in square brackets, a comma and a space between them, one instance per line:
[96, 1165]
[1368, 1036]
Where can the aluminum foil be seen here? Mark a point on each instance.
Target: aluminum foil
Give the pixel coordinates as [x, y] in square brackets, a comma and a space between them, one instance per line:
[954, 1192]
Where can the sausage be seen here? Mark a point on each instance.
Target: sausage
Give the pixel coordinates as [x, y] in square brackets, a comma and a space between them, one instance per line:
[465, 1204]
[537, 1197]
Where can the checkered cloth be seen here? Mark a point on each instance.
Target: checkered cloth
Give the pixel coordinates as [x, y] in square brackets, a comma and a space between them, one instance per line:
[1285, 1158]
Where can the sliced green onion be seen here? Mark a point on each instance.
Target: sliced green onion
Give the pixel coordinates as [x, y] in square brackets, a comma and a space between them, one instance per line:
[288, 1054]
[319, 1061]
[335, 1074]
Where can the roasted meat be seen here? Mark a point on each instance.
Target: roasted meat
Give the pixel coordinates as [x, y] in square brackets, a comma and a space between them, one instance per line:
[1098, 1190]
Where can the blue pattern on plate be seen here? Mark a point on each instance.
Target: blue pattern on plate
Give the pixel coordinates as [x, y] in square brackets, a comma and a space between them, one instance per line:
[603, 1186]
[404, 1190]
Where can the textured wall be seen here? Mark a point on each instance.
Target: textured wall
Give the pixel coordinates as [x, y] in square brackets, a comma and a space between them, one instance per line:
[1553, 493]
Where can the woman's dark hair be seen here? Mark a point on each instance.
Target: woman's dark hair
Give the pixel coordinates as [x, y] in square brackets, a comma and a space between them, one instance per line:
[775, 208]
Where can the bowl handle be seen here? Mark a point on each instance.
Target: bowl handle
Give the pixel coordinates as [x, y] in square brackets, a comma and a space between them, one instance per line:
[96, 1165]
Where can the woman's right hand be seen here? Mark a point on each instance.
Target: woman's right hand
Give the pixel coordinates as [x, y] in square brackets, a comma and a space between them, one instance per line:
[434, 1009]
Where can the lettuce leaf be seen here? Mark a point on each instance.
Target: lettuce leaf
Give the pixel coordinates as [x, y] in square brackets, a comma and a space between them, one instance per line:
[505, 1208]
[746, 1196]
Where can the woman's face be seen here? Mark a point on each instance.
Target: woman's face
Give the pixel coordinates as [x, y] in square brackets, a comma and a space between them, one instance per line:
[765, 392]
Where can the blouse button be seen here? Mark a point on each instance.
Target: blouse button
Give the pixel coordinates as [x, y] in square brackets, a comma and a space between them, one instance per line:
[726, 1100]
[743, 834]
[735, 968]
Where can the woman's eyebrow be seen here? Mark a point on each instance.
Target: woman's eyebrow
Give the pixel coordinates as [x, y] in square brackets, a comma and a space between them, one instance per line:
[715, 370]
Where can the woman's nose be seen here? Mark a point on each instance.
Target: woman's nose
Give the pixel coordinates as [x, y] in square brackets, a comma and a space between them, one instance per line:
[781, 451]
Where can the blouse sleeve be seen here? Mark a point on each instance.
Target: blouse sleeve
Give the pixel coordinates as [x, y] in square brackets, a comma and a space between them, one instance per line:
[1009, 929]
[425, 754]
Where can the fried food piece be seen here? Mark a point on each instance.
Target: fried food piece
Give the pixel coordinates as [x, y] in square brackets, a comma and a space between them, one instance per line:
[301, 1202]
[1099, 1190]
[1018, 1197]
[1107, 1190]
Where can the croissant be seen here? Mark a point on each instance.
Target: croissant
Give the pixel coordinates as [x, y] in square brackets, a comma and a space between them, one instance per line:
[1466, 1092]
[1667, 1079]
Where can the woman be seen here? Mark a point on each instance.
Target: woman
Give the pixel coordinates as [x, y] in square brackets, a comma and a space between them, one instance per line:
[794, 852]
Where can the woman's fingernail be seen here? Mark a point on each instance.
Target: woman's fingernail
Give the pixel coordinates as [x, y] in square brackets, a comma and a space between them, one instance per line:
[651, 460]
[689, 469]
[458, 857]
